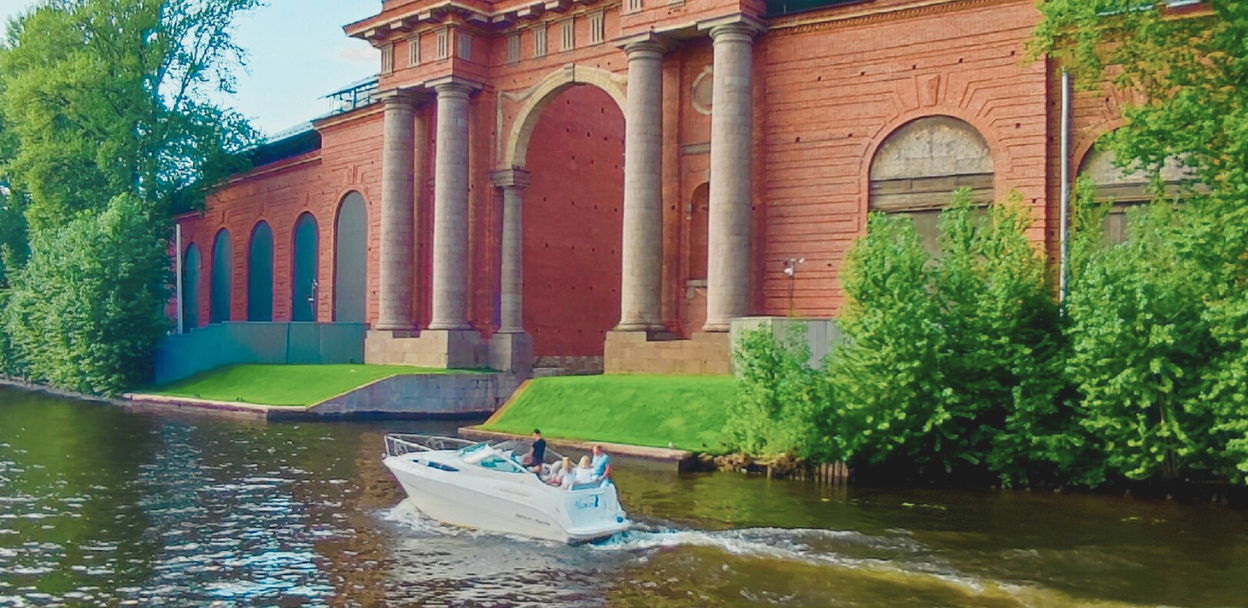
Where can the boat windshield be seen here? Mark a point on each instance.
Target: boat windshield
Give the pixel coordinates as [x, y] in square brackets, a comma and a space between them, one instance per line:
[488, 456]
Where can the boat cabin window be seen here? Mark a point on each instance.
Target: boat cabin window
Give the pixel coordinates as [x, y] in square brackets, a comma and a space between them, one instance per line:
[499, 463]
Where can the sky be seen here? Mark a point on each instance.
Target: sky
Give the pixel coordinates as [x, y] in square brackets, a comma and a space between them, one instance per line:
[297, 53]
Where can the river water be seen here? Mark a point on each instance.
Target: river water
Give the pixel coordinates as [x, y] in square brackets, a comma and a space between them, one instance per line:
[103, 507]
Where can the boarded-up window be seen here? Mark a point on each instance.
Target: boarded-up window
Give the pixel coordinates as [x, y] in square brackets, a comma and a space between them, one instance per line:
[464, 40]
[1126, 188]
[920, 165]
[444, 44]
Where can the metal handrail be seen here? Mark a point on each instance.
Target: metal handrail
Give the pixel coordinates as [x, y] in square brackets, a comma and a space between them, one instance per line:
[398, 445]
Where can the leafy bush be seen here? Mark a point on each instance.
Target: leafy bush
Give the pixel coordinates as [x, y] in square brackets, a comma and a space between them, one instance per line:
[1159, 336]
[86, 312]
[952, 360]
[782, 403]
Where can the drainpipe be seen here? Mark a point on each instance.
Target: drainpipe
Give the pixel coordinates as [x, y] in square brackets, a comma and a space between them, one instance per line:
[177, 256]
[1064, 229]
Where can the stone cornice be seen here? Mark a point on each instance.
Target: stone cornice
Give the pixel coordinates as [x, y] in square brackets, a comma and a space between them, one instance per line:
[799, 24]
[379, 27]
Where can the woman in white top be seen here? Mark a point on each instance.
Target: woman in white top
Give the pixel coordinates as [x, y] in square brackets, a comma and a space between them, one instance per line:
[560, 471]
[584, 472]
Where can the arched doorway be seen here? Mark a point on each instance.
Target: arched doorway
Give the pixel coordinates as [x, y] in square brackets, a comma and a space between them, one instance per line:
[350, 259]
[222, 261]
[572, 236]
[260, 274]
[191, 264]
[303, 283]
[920, 165]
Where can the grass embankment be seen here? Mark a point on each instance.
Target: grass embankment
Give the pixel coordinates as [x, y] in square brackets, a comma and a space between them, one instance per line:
[686, 412]
[296, 385]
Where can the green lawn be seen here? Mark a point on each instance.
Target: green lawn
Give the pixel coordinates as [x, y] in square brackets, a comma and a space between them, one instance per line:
[284, 384]
[686, 412]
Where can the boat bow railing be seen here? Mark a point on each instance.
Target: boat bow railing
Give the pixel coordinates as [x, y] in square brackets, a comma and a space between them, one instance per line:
[398, 445]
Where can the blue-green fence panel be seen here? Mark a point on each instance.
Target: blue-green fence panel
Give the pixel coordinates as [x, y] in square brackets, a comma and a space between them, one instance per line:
[183, 355]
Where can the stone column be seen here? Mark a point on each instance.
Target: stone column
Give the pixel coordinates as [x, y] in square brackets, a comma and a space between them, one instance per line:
[642, 250]
[729, 239]
[511, 299]
[450, 207]
[511, 348]
[397, 212]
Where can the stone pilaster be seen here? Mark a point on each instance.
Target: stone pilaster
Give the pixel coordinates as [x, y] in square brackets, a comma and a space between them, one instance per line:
[511, 348]
[642, 250]
[729, 239]
[397, 212]
[450, 201]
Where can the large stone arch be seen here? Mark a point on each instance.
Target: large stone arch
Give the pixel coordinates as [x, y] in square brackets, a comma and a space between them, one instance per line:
[919, 165]
[572, 237]
[351, 259]
[515, 151]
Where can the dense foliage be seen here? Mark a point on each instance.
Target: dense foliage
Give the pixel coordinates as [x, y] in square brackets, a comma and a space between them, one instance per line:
[87, 309]
[950, 359]
[107, 127]
[782, 402]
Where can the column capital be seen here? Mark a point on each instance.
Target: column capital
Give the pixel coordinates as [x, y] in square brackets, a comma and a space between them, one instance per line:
[399, 98]
[453, 85]
[739, 26]
[511, 178]
[646, 43]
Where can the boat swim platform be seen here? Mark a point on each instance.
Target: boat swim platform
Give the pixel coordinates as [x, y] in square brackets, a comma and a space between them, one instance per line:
[659, 458]
[408, 396]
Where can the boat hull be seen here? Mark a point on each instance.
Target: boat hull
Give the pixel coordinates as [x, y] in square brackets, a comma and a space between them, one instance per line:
[532, 510]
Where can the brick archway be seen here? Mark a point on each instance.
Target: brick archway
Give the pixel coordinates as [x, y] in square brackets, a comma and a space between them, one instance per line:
[516, 147]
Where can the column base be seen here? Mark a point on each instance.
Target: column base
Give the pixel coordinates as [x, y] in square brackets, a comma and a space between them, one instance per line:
[394, 326]
[431, 348]
[638, 326]
[717, 326]
[512, 353]
[634, 353]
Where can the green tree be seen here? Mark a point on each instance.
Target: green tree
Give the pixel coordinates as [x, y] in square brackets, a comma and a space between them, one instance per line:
[782, 402]
[105, 97]
[1185, 71]
[107, 126]
[86, 310]
[951, 360]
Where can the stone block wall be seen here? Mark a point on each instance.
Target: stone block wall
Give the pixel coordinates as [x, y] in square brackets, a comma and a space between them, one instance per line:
[433, 395]
[634, 353]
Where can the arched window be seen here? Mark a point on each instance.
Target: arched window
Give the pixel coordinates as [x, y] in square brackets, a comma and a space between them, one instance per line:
[350, 259]
[920, 165]
[191, 264]
[260, 274]
[304, 285]
[222, 262]
[1126, 188]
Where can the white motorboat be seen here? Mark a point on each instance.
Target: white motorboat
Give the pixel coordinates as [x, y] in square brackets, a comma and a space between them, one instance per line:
[484, 486]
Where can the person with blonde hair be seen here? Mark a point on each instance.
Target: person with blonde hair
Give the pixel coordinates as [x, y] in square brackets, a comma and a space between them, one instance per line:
[561, 473]
[584, 472]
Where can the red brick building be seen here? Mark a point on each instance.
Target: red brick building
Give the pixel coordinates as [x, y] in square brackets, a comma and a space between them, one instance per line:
[564, 180]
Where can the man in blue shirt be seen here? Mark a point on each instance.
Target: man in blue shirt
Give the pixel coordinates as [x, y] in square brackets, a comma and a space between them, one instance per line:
[601, 464]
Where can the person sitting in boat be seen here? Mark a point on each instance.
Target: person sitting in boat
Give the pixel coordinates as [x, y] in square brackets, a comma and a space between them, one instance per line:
[584, 473]
[601, 464]
[533, 460]
[560, 471]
